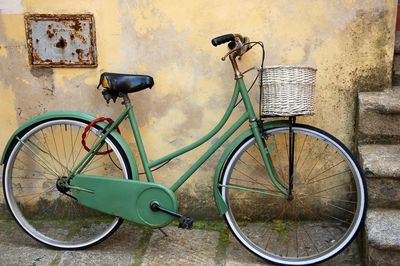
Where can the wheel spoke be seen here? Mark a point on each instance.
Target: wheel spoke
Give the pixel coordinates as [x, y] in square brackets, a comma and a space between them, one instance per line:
[55, 143]
[49, 153]
[334, 199]
[92, 163]
[326, 170]
[249, 178]
[319, 157]
[47, 145]
[34, 195]
[255, 190]
[44, 164]
[325, 178]
[30, 170]
[281, 168]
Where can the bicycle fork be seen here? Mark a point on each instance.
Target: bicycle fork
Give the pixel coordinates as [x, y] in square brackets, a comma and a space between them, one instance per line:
[257, 132]
[286, 189]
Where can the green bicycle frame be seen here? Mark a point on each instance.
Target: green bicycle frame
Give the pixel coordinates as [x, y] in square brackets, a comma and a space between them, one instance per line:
[248, 115]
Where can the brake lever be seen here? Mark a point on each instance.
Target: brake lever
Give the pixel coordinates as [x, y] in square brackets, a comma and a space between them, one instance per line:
[247, 45]
[230, 52]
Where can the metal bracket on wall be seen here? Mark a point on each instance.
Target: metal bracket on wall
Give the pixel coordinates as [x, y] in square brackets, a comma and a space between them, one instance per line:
[61, 40]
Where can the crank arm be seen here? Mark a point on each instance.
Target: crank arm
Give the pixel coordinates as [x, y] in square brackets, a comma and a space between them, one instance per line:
[184, 222]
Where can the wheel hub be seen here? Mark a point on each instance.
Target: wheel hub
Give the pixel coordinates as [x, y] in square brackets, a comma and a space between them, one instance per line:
[61, 184]
[290, 197]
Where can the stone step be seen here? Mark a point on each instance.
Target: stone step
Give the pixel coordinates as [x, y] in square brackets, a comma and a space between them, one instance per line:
[381, 166]
[397, 43]
[383, 231]
[379, 117]
[396, 69]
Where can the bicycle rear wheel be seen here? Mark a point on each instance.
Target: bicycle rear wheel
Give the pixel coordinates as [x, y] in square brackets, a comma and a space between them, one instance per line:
[328, 204]
[50, 215]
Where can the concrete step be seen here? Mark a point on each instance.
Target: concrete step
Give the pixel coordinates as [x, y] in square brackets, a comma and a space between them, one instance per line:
[381, 166]
[383, 231]
[379, 117]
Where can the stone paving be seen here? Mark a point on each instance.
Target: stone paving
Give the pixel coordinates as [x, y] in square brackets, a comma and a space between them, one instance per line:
[208, 244]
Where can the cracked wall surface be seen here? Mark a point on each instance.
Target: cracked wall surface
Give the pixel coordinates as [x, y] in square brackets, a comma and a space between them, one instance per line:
[349, 42]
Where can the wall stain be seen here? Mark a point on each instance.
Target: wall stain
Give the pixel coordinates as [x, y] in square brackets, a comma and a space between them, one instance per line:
[376, 76]
[40, 72]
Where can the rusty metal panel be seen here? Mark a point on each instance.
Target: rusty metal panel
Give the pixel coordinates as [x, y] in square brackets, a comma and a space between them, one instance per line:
[61, 40]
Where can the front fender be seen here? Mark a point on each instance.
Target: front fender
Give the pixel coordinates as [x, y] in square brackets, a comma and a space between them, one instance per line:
[68, 114]
[221, 205]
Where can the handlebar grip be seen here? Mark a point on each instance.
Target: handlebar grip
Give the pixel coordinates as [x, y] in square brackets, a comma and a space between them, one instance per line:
[222, 39]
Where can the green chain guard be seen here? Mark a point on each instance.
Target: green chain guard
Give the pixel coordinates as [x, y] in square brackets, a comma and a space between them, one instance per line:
[128, 199]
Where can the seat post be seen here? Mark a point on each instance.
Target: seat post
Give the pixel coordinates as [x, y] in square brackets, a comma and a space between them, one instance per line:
[126, 99]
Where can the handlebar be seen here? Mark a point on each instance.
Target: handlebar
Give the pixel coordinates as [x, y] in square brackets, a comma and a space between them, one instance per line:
[237, 43]
[238, 46]
[223, 39]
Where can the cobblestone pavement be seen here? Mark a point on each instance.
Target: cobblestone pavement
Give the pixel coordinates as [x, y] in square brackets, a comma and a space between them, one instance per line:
[209, 243]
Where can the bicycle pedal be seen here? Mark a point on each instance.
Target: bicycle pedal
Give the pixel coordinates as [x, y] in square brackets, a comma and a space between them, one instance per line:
[185, 223]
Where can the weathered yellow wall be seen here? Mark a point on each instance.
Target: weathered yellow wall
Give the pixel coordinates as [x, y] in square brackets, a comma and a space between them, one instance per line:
[349, 42]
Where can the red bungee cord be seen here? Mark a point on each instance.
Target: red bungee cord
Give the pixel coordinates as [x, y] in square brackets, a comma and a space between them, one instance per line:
[87, 128]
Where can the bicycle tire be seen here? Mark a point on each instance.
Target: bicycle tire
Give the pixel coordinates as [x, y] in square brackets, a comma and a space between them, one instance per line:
[329, 201]
[43, 211]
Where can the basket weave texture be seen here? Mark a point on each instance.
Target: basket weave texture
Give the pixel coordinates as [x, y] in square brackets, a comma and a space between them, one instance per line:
[287, 90]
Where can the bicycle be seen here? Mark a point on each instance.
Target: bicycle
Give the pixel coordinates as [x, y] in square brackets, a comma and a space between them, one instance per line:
[290, 193]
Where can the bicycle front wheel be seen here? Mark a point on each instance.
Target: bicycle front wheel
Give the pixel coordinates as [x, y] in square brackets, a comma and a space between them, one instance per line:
[48, 213]
[324, 212]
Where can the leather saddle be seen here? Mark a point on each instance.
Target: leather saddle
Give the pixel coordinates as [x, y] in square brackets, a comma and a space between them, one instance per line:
[125, 83]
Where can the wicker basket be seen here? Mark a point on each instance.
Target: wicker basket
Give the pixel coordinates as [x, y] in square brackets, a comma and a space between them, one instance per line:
[287, 91]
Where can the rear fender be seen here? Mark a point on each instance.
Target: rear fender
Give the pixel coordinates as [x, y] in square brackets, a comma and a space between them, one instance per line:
[68, 114]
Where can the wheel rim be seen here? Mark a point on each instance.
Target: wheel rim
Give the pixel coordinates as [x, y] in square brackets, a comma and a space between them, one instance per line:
[283, 222]
[45, 213]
